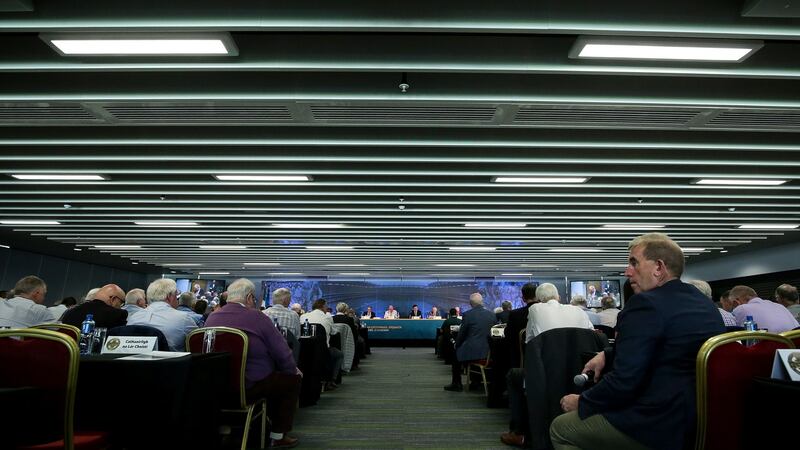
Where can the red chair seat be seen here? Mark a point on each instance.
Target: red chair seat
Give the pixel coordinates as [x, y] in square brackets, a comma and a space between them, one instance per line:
[81, 441]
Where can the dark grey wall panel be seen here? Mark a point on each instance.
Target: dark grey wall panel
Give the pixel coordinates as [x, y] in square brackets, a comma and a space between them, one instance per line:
[77, 283]
[4, 255]
[101, 276]
[54, 273]
[21, 264]
[121, 278]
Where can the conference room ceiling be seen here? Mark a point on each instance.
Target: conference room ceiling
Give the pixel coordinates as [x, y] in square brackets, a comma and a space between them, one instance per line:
[394, 178]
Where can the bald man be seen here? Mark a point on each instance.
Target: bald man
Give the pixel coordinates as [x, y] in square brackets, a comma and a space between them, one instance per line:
[105, 309]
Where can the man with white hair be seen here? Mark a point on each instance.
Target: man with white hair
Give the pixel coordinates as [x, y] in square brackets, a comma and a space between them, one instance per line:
[472, 343]
[705, 289]
[25, 309]
[280, 314]
[135, 301]
[161, 314]
[90, 295]
[186, 305]
[270, 370]
[580, 302]
[549, 313]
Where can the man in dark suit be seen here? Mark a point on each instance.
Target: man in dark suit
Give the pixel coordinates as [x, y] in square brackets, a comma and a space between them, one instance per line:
[415, 312]
[103, 308]
[472, 343]
[502, 316]
[368, 314]
[517, 321]
[648, 398]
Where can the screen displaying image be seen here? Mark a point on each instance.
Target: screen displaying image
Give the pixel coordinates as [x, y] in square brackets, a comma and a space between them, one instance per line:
[594, 291]
[202, 288]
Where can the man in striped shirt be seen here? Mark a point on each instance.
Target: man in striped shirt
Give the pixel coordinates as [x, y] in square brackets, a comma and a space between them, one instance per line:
[279, 311]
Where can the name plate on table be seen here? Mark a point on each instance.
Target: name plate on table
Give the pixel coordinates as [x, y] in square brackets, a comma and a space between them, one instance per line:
[129, 344]
[786, 365]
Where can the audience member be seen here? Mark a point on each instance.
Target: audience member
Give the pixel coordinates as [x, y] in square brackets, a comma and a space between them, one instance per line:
[135, 301]
[705, 289]
[767, 315]
[458, 312]
[62, 306]
[343, 316]
[472, 343]
[725, 301]
[161, 314]
[91, 295]
[415, 312]
[580, 302]
[317, 315]
[25, 309]
[186, 306]
[786, 295]
[518, 321]
[609, 313]
[298, 308]
[505, 310]
[647, 397]
[104, 314]
[201, 307]
[391, 313]
[270, 370]
[369, 313]
[280, 314]
[549, 313]
[434, 314]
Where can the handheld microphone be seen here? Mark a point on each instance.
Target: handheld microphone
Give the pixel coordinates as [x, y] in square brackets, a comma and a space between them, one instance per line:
[583, 378]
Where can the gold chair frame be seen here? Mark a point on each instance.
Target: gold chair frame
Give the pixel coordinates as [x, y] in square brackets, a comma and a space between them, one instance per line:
[244, 408]
[521, 338]
[482, 370]
[72, 373]
[701, 368]
[58, 326]
[791, 334]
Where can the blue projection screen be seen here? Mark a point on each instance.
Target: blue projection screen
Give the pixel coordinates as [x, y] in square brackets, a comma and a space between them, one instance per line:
[401, 294]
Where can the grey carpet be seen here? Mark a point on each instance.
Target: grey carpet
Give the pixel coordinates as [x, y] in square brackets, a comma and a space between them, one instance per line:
[396, 401]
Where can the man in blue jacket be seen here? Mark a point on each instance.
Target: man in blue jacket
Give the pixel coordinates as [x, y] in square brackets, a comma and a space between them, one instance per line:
[647, 397]
[472, 343]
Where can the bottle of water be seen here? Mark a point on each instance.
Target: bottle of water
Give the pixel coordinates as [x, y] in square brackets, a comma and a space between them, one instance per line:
[749, 325]
[306, 330]
[87, 335]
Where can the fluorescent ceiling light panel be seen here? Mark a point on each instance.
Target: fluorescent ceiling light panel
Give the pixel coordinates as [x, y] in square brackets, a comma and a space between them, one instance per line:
[472, 249]
[354, 273]
[632, 226]
[182, 265]
[213, 273]
[262, 264]
[345, 265]
[665, 49]
[328, 247]
[286, 273]
[141, 44]
[454, 265]
[29, 222]
[308, 225]
[262, 177]
[158, 223]
[517, 274]
[768, 226]
[739, 182]
[117, 247]
[541, 180]
[56, 177]
[4, 246]
[575, 250]
[223, 247]
[495, 224]
[693, 249]
[615, 265]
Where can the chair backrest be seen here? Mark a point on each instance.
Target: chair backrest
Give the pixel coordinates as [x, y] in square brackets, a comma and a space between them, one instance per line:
[793, 335]
[522, 334]
[142, 330]
[70, 330]
[607, 330]
[348, 344]
[229, 340]
[725, 369]
[43, 359]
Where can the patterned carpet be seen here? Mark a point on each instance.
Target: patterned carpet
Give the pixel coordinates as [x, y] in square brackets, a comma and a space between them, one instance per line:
[396, 401]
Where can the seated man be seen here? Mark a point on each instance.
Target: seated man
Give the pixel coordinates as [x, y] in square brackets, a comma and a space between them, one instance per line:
[391, 313]
[786, 295]
[102, 308]
[773, 317]
[505, 311]
[549, 313]
[186, 305]
[280, 314]
[336, 357]
[580, 302]
[472, 343]
[135, 301]
[434, 314]
[62, 306]
[270, 370]
[369, 313]
[161, 314]
[25, 309]
[647, 400]
[608, 316]
[415, 313]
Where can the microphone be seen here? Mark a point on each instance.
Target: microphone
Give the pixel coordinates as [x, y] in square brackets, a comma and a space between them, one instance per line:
[583, 378]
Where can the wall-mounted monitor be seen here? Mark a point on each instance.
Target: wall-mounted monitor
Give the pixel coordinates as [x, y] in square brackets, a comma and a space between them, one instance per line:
[595, 290]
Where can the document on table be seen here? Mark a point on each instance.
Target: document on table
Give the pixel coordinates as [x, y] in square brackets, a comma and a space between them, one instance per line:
[156, 355]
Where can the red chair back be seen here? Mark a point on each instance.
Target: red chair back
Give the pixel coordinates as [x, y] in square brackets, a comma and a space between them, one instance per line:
[234, 342]
[70, 330]
[725, 369]
[794, 336]
[46, 360]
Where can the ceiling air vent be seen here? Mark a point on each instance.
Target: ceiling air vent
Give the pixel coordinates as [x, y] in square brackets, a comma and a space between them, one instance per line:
[43, 113]
[402, 114]
[604, 116]
[199, 113]
[757, 119]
